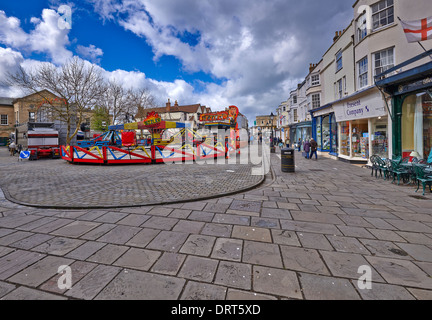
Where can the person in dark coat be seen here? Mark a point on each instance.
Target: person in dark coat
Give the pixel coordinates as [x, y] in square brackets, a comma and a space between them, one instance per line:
[313, 148]
[306, 148]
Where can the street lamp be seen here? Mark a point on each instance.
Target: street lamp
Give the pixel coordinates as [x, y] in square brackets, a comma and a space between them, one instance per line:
[272, 147]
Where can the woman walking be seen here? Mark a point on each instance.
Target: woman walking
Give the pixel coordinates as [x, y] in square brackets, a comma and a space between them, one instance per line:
[306, 148]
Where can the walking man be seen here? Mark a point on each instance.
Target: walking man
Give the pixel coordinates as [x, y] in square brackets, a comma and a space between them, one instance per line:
[313, 148]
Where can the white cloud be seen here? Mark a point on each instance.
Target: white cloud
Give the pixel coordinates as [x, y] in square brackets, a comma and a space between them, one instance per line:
[9, 63]
[259, 47]
[46, 37]
[258, 50]
[91, 53]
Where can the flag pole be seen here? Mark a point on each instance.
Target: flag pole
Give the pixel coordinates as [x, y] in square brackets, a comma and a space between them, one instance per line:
[417, 41]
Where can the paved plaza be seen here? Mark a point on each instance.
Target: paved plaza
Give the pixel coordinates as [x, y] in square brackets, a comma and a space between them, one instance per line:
[307, 235]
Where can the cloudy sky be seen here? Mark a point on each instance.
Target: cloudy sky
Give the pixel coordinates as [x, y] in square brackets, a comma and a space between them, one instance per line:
[248, 53]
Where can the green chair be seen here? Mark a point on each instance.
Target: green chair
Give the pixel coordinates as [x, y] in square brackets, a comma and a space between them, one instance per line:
[383, 168]
[422, 177]
[398, 171]
[375, 165]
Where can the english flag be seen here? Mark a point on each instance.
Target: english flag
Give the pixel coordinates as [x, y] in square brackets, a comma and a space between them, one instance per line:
[418, 30]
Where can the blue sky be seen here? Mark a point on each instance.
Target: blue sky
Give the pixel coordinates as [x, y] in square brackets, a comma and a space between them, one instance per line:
[248, 53]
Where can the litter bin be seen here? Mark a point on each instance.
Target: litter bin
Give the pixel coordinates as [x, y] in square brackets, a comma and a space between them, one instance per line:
[287, 160]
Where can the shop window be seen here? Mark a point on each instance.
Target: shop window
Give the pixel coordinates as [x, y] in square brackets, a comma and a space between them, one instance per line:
[318, 132]
[379, 138]
[360, 139]
[325, 133]
[345, 138]
[334, 136]
[416, 125]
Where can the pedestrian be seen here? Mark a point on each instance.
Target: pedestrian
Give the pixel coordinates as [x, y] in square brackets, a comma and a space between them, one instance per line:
[12, 147]
[306, 148]
[287, 142]
[299, 145]
[313, 148]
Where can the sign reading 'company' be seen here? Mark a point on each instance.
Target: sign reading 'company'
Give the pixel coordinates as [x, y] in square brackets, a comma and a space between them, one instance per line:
[369, 106]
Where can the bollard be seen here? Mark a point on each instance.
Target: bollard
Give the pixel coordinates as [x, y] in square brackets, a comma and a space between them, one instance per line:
[287, 160]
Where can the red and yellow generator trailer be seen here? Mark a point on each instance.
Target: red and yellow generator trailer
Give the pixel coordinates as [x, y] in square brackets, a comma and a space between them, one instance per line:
[40, 138]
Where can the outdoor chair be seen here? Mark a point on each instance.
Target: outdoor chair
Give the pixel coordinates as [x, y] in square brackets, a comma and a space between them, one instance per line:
[398, 171]
[422, 177]
[375, 165]
[384, 168]
[405, 160]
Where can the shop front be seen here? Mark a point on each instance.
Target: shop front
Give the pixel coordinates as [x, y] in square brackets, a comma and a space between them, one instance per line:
[301, 131]
[411, 93]
[325, 129]
[362, 126]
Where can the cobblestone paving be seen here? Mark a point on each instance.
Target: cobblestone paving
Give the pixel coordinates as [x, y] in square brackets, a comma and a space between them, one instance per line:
[58, 184]
[300, 235]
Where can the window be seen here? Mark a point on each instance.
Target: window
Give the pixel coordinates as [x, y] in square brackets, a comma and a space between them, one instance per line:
[315, 80]
[383, 60]
[344, 85]
[295, 99]
[362, 67]
[295, 115]
[4, 120]
[382, 14]
[361, 28]
[416, 125]
[338, 90]
[316, 101]
[31, 116]
[339, 60]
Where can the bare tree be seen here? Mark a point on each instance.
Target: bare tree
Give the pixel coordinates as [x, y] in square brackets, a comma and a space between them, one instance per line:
[116, 99]
[77, 84]
[141, 99]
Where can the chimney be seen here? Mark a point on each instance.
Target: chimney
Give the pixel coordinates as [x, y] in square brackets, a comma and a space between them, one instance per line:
[311, 67]
[336, 36]
[176, 104]
[168, 106]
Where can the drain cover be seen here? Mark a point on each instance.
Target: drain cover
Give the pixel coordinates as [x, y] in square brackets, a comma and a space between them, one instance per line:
[316, 170]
